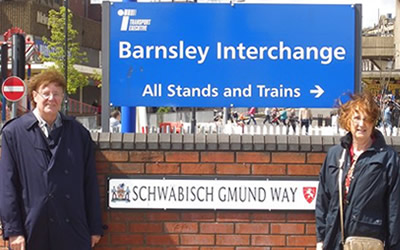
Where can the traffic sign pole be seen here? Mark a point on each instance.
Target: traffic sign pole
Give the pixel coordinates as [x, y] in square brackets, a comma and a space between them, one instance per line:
[18, 64]
[3, 76]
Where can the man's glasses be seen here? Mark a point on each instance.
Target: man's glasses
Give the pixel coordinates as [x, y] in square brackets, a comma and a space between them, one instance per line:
[47, 96]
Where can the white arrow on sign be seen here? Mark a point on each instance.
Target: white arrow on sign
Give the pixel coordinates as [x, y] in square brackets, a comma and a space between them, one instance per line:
[319, 91]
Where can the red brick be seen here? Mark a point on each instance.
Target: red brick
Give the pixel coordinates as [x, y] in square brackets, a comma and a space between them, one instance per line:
[269, 169]
[198, 169]
[146, 156]
[168, 239]
[124, 239]
[252, 228]
[233, 216]
[162, 216]
[268, 216]
[301, 169]
[301, 216]
[316, 157]
[181, 227]
[103, 167]
[233, 240]
[198, 216]
[216, 228]
[288, 248]
[101, 179]
[287, 228]
[102, 192]
[146, 227]
[108, 248]
[288, 157]
[197, 239]
[126, 216]
[253, 248]
[117, 227]
[301, 240]
[217, 248]
[127, 168]
[217, 157]
[162, 168]
[149, 248]
[248, 157]
[112, 156]
[182, 156]
[310, 229]
[182, 248]
[268, 240]
[234, 169]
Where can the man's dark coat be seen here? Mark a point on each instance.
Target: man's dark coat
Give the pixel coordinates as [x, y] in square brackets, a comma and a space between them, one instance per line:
[372, 206]
[53, 200]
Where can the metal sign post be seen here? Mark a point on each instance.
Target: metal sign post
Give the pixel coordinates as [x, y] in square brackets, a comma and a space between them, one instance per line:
[18, 63]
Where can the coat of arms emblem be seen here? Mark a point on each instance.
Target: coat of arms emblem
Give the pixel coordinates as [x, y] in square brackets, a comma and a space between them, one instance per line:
[120, 193]
[309, 193]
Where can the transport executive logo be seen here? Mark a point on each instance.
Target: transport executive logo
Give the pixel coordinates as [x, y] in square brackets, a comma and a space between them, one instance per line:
[129, 23]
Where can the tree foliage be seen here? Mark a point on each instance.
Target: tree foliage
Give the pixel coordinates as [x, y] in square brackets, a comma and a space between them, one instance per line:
[56, 46]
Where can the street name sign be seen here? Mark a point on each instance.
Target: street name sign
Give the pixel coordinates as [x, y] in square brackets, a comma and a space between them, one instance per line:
[13, 88]
[241, 55]
[205, 193]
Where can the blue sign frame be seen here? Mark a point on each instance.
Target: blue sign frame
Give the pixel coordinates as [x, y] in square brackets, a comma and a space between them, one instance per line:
[219, 55]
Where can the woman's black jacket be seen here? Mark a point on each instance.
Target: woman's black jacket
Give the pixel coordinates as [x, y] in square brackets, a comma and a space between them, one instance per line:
[372, 206]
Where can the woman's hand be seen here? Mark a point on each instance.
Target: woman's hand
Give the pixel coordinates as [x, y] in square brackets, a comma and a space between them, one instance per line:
[17, 242]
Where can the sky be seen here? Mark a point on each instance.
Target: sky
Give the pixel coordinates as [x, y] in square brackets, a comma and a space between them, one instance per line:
[371, 9]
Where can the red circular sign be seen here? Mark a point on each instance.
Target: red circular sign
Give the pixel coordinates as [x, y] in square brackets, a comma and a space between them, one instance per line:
[13, 88]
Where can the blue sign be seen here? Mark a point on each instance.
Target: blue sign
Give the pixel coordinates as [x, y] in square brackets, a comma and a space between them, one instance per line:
[216, 55]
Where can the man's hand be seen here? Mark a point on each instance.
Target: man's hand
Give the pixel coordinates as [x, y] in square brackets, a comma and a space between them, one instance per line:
[95, 239]
[17, 242]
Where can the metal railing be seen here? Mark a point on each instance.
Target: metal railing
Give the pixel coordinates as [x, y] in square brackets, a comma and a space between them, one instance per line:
[268, 129]
[76, 107]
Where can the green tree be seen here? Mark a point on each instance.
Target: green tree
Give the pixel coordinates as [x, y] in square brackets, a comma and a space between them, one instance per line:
[56, 45]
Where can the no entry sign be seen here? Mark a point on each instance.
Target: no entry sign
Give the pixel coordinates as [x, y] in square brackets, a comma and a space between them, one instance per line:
[13, 88]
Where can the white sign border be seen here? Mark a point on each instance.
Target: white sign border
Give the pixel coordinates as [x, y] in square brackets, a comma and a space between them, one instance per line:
[190, 192]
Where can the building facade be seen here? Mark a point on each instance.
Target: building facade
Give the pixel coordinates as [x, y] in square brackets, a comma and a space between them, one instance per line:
[32, 17]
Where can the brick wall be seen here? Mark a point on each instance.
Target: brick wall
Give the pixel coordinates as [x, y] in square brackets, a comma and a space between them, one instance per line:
[222, 155]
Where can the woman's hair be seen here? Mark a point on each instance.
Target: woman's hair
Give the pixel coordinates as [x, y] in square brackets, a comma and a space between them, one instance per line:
[363, 103]
[43, 79]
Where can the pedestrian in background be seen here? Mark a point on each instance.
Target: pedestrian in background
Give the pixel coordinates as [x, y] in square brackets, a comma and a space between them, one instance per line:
[267, 114]
[48, 184]
[283, 116]
[387, 118]
[115, 121]
[293, 120]
[370, 183]
[252, 113]
[305, 118]
[335, 121]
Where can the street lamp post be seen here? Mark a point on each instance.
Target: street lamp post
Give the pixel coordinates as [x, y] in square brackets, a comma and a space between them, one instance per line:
[66, 57]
